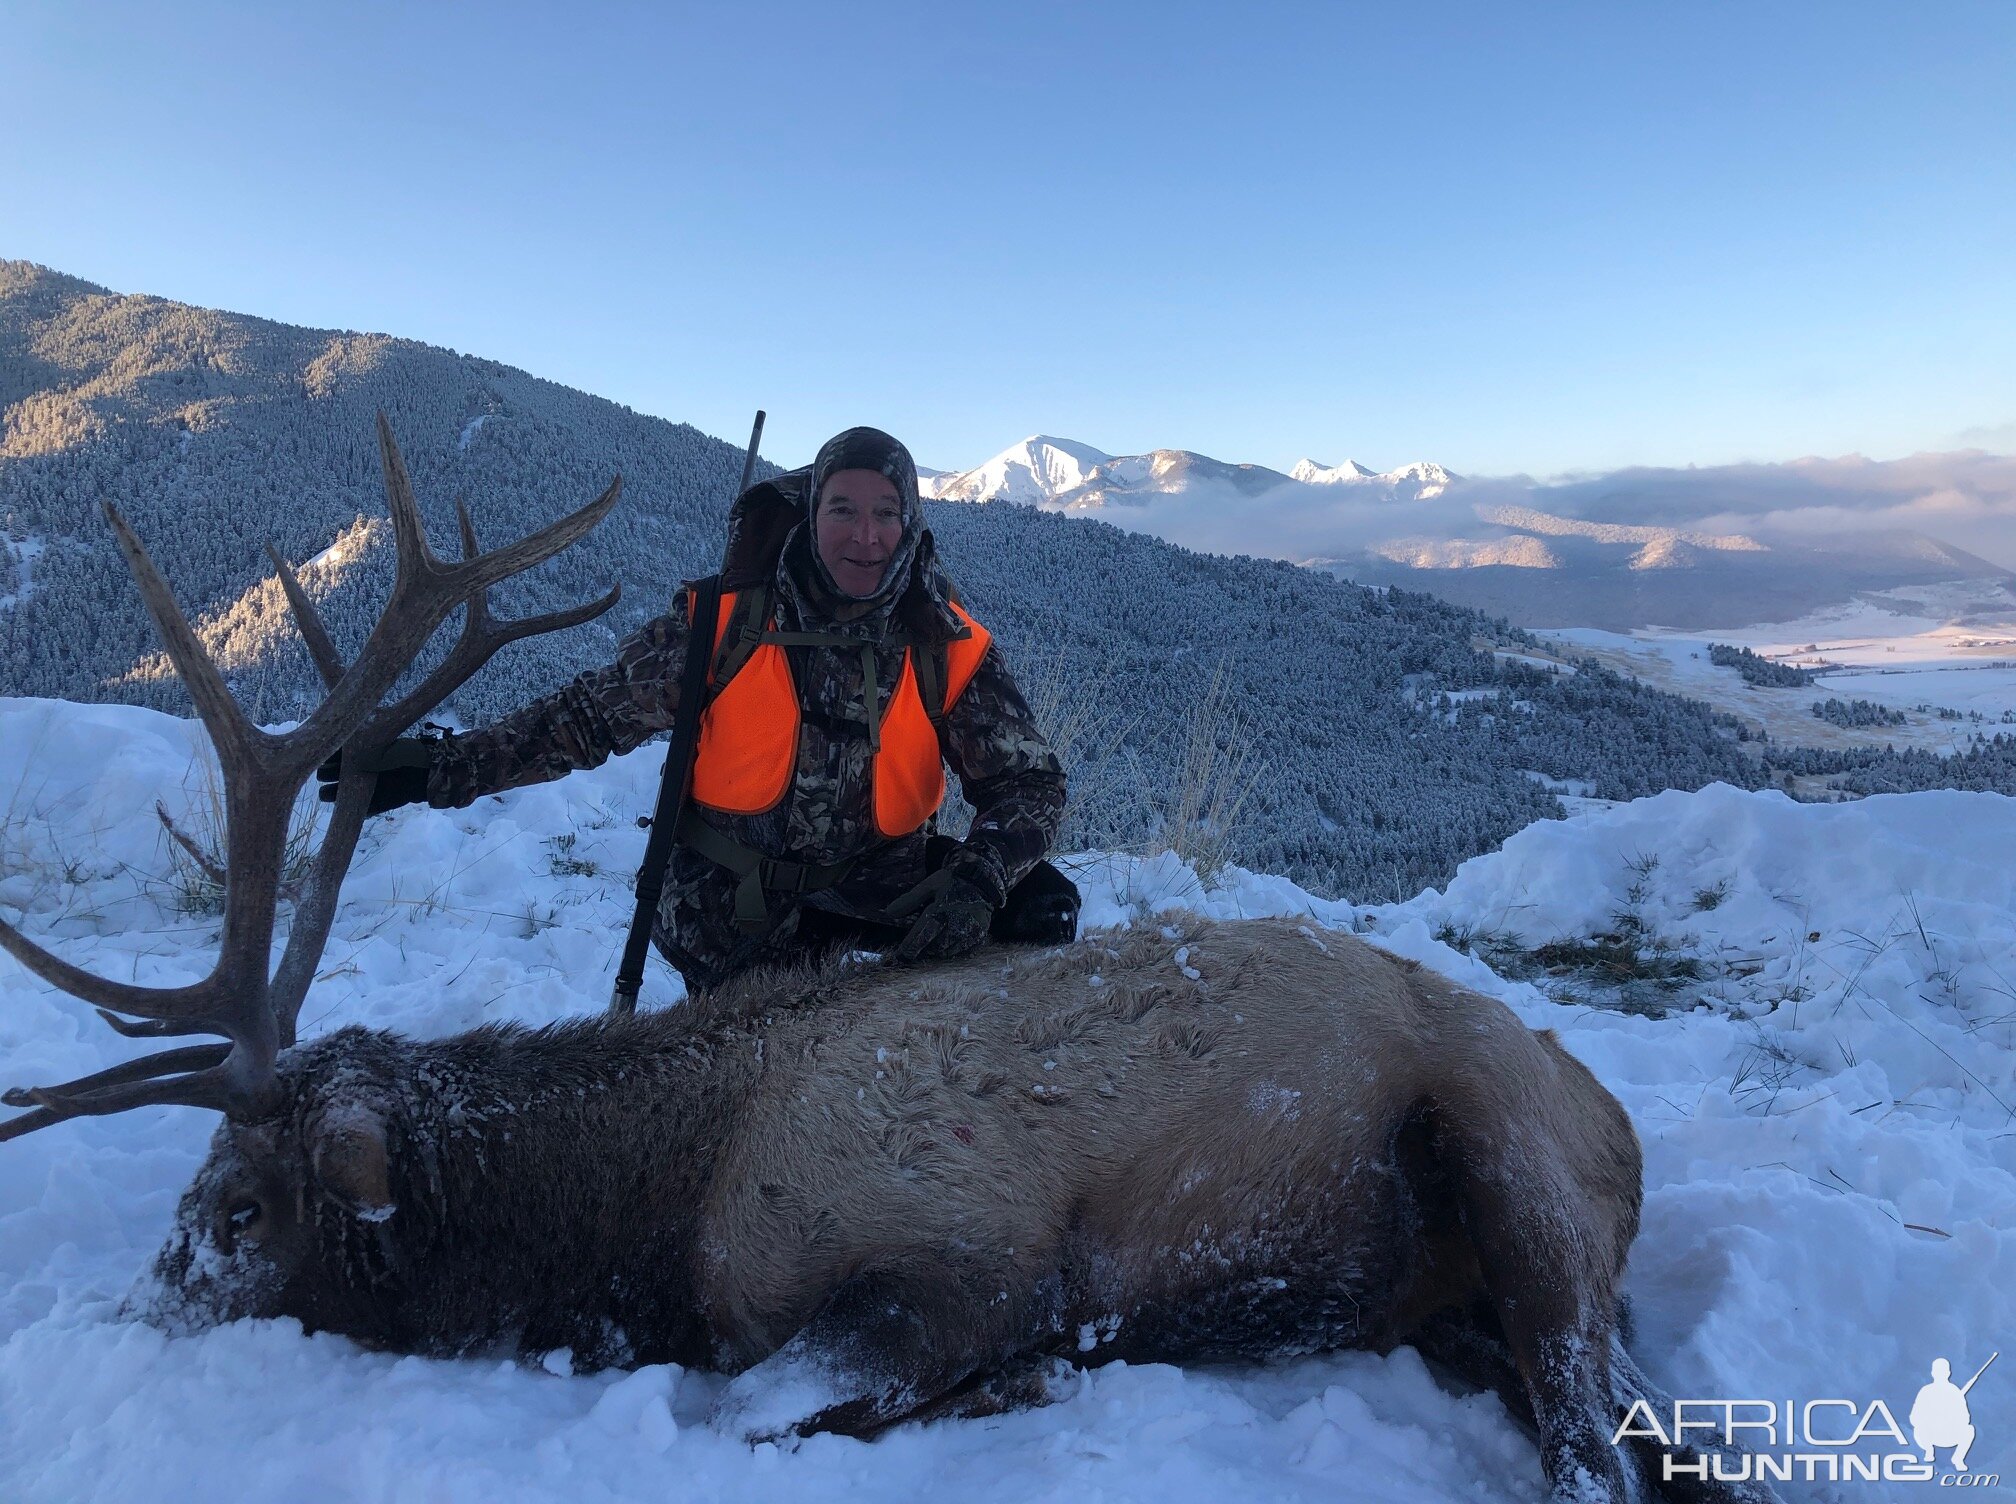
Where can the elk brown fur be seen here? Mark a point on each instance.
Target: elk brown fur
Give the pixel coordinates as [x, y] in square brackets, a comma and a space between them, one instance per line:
[871, 1192]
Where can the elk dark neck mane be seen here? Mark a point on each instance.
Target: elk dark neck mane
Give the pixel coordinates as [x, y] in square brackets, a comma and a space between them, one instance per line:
[546, 1181]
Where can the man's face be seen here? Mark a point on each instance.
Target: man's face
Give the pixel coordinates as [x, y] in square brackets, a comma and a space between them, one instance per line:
[857, 525]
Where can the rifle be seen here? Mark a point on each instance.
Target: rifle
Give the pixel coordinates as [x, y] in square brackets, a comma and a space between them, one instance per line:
[678, 774]
[1979, 1371]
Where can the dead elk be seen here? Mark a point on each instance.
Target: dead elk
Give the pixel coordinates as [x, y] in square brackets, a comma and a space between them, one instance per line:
[871, 1194]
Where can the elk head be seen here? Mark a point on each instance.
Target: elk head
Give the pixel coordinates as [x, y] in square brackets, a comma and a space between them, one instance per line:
[304, 1155]
[313, 1209]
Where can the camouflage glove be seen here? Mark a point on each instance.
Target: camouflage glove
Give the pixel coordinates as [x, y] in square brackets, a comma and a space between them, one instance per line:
[953, 923]
[402, 770]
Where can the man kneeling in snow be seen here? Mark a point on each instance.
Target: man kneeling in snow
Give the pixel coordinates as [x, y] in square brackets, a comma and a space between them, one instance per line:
[845, 676]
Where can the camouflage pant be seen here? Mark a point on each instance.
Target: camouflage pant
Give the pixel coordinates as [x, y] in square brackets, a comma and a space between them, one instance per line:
[695, 925]
[696, 930]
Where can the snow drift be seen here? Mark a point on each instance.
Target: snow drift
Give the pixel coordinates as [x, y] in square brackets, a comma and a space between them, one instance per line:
[1826, 1112]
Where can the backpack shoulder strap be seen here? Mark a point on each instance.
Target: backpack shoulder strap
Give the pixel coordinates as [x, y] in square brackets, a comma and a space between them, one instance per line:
[931, 663]
[928, 663]
[746, 623]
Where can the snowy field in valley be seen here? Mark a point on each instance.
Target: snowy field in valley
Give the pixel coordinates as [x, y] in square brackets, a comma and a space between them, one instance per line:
[1950, 646]
[1829, 1143]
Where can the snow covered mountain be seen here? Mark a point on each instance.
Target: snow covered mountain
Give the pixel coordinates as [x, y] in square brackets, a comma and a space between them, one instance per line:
[1313, 473]
[1063, 475]
[1634, 549]
[1033, 472]
[214, 431]
[1420, 481]
[1137, 480]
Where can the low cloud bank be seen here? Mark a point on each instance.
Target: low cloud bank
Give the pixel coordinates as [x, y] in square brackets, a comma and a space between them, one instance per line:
[1966, 499]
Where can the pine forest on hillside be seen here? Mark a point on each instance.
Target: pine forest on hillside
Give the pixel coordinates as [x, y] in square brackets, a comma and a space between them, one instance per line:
[1362, 741]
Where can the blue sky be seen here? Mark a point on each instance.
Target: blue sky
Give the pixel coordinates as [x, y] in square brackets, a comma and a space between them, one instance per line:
[1506, 237]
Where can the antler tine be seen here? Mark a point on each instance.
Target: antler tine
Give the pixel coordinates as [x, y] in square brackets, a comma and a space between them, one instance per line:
[424, 591]
[146, 1068]
[485, 570]
[28, 1122]
[321, 646]
[559, 621]
[103, 992]
[157, 1028]
[416, 559]
[478, 617]
[226, 723]
[470, 547]
[219, 1087]
[480, 640]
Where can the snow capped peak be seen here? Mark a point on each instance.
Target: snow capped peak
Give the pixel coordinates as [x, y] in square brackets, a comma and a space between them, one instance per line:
[1072, 446]
[1415, 482]
[1420, 480]
[1426, 471]
[1032, 472]
[1315, 473]
[1044, 470]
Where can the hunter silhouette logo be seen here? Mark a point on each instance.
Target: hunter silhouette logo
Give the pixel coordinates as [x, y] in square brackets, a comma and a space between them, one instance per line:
[1831, 1440]
[1940, 1417]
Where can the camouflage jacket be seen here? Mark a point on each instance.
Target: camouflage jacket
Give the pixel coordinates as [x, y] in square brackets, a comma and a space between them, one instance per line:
[1005, 768]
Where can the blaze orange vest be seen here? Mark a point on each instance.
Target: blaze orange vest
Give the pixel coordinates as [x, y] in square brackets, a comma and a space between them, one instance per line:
[749, 733]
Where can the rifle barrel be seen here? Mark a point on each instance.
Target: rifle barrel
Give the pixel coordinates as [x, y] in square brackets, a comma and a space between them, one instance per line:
[1981, 1370]
[672, 784]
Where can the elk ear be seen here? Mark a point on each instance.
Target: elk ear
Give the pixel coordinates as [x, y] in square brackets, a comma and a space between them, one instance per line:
[351, 1153]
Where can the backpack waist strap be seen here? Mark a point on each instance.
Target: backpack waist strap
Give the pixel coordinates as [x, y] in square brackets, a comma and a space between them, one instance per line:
[760, 876]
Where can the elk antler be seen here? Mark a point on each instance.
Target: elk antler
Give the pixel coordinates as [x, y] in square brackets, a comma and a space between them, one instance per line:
[263, 773]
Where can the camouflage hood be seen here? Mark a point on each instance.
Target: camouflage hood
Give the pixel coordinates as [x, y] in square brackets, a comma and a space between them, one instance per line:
[872, 449]
[769, 540]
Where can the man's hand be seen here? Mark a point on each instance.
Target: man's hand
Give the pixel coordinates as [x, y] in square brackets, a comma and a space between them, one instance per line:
[1042, 909]
[402, 774]
[952, 924]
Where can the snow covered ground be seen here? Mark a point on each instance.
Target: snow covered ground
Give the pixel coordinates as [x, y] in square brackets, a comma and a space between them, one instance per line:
[1830, 1155]
[1951, 646]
